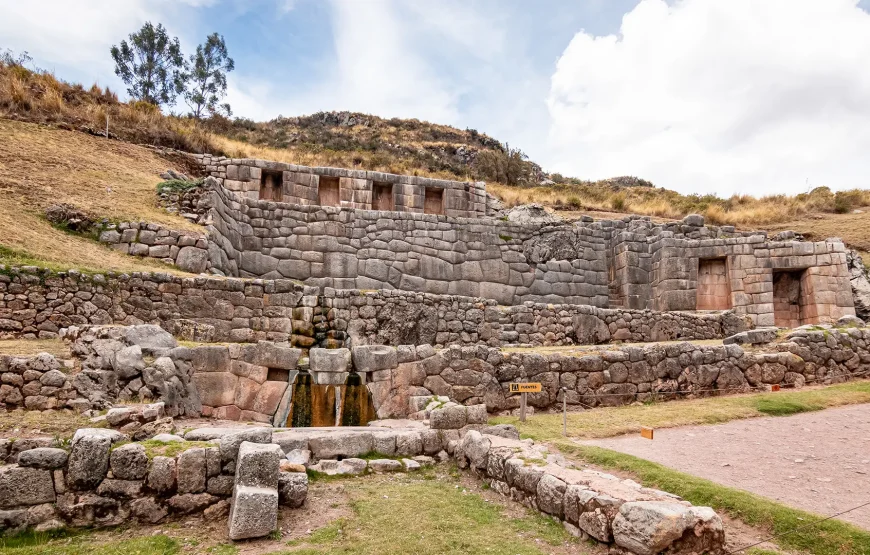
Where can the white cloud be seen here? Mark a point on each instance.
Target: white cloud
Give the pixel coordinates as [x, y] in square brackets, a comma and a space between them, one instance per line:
[719, 96]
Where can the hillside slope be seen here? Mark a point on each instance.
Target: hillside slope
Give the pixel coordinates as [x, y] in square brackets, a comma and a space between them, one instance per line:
[40, 166]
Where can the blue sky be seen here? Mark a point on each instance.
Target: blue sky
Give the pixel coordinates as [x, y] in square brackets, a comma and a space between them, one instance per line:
[748, 96]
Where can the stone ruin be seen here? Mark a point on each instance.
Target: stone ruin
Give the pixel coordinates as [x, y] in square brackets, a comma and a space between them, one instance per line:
[349, 299]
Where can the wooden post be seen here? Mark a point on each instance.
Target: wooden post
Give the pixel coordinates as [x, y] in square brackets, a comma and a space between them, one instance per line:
[107, 125]
[523, 407]
[564, 412]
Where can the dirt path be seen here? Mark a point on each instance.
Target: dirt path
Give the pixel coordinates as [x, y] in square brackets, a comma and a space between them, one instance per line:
[818, 461]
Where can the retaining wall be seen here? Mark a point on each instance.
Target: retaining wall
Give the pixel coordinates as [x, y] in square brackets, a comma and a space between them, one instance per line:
[38, 303]
[185, 249]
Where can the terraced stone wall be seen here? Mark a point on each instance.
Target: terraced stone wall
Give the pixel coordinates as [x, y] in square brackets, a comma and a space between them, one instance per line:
[623, 375]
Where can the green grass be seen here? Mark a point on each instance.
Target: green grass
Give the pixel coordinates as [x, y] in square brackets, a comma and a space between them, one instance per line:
[63, 543]
[832, 537]
[407, 514]
[612, 421]
[155, 448]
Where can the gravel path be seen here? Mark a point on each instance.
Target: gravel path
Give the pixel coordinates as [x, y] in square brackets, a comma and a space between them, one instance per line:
[817, 461]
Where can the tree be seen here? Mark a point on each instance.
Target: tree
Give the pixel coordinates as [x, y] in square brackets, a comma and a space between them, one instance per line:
[207, 77]
[151, 65]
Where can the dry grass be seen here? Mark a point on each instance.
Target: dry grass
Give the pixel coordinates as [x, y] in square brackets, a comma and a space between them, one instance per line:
[38, 96]
[40, 166]
[603, 200]
[31, 423]
[30, 347]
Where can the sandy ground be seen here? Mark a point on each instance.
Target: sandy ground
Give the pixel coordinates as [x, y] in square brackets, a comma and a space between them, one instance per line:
[818, 461]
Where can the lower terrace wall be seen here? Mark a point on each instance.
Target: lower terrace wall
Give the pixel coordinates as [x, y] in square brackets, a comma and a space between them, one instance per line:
[185, 249]
[621, 376]
[38, 303]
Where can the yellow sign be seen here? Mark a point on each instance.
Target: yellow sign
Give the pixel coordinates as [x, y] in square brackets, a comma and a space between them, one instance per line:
[525, 387]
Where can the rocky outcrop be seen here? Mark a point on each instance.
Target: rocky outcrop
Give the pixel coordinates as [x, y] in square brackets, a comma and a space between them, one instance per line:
[858, 277]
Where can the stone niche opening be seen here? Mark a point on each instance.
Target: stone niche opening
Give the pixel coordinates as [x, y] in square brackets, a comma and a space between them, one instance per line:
[382, 196]
[328, 191]
[433, 202]
[790, 298]
[271, 185]
[278, 375]
[714, 291]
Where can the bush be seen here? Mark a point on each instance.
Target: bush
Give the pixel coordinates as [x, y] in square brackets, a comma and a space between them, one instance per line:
[617, 202]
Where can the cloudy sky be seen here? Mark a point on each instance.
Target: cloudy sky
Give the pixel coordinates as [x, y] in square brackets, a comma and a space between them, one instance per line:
[701, 96]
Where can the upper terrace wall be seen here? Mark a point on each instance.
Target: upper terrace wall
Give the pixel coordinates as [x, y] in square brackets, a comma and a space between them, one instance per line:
[366, 190]
[630, 263]
[361, 249]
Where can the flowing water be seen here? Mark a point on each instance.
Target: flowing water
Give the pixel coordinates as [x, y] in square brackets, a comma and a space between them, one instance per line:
[317, 405]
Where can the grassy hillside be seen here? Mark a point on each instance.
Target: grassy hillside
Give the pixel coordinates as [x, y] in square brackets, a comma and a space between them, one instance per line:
[40, 166]
[44, 164]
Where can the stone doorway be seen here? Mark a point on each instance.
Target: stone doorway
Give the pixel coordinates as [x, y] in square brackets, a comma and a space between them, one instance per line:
[328, 191]
[788, 305]
[714, 291]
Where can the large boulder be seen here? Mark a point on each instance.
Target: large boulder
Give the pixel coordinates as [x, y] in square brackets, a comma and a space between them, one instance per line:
[230, 443]
[330, 445]
[590, 329]
[373, 358]
[129, 462]
[150, 337]
[89, 457]
[531, 214]
[650, 527]
[860, 284]
[254, 512]
[25, 486]
[292, 488]
[192, 259]
[329, 360]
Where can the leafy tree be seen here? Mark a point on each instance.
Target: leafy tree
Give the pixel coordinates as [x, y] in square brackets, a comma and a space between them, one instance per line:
[207, 75]
[151, 65]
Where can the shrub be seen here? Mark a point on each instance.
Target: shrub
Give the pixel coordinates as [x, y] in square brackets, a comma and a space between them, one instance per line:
[617, 202]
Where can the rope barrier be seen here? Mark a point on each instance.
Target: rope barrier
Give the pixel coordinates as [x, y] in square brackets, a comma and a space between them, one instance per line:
[799, 528]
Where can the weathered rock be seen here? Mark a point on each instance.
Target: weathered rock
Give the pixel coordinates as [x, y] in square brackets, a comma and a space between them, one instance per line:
[330, 445]
[186, 503]
[122, 489]
[192, 259]
[292, 488]
[162, 475]
[257, 465]
[650, 527]
[25, 486]
[299, 456]
[191, 471]
[129, 462]
[254, 512]
[450, 417]
[149, 337]
[45, 458]
[551, 492]
[374, 358]
[148, 510]
[229, 443]
[329, 360]
[385, 465]
[89, 458]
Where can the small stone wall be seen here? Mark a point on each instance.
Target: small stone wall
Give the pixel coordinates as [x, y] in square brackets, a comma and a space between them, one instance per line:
[592, 505]
[623, 375]
[187, 250]
[37, 383]
[102, 481]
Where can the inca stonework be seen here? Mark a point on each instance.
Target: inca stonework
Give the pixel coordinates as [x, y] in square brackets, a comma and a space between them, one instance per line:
[266, 227]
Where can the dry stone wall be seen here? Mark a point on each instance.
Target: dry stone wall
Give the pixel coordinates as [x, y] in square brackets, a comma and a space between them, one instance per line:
[98, 481]
[38, 303]
[187, 250]
[623, 375]
[630, 263]
[403, 318]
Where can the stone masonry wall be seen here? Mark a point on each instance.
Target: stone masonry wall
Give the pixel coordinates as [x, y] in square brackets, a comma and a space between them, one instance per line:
[623, 375]
[400, 318]
[100, 482]
[38, 303]
[185, 249]
[300, 185]
[630, 263]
